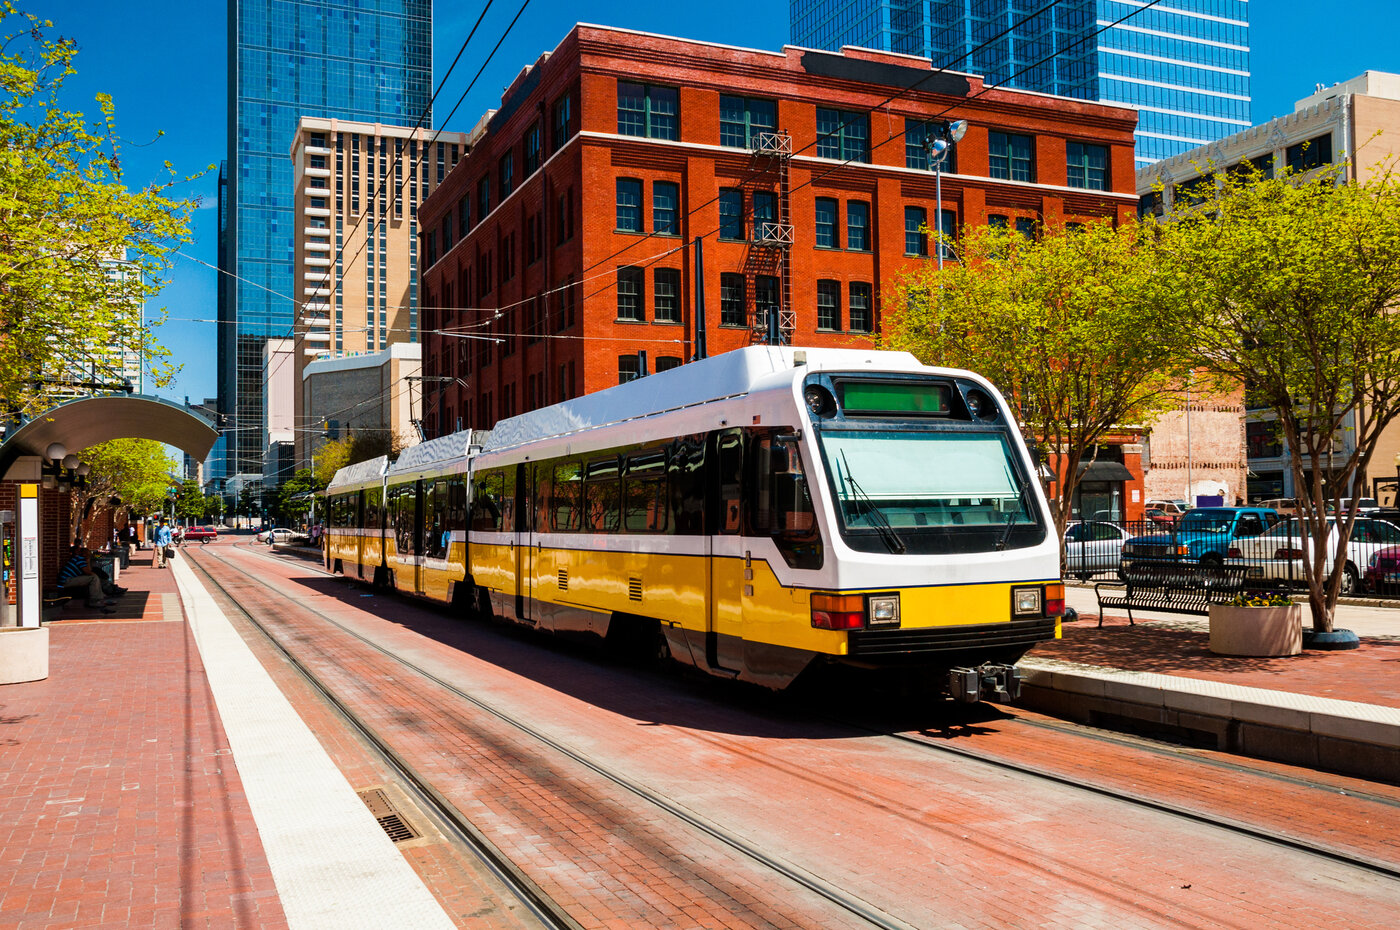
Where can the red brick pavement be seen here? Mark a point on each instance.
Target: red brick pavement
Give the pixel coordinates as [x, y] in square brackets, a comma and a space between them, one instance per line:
[119, 802]
[1367, 674]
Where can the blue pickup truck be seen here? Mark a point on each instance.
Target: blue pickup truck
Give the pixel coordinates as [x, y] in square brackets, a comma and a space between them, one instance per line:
[1203, 536]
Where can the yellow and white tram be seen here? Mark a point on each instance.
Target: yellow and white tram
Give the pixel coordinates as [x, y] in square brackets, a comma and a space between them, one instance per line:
[354, 540]
[771, 508]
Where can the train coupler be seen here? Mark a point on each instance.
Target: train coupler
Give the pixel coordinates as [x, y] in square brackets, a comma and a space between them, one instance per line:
[992, 682]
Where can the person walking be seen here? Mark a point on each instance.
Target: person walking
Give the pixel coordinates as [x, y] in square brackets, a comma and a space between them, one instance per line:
[164, 543]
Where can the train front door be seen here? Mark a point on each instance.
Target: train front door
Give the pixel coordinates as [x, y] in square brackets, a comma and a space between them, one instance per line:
[728, 568]
[523, 542]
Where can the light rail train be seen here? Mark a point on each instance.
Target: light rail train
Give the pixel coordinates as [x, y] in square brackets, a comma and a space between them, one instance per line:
[751, 514]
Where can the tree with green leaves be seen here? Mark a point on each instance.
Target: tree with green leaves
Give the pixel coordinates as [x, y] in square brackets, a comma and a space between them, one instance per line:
[294, 497]
[189, 501]
[80, 251]
[357, 446]
[135, 470]
[1290, 286]
[1057, 324]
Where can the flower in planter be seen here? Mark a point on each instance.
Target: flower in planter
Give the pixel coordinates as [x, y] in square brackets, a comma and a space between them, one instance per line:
[1259, 599]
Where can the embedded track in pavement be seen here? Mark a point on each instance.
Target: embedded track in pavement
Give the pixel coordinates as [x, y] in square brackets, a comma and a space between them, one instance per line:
[459, 827]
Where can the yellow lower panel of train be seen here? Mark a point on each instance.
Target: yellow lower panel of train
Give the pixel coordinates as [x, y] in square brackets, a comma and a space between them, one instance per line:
[701, 593]
[432, 578]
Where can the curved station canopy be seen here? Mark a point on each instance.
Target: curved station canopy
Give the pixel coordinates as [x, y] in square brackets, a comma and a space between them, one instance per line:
[87, 421]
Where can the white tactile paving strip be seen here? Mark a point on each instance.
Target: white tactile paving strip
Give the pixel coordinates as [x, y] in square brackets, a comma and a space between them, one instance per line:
[334, 866]
[1344, 720]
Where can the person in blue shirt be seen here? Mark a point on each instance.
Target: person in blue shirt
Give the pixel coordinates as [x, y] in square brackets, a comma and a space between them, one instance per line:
[164, 541]
[77, 573]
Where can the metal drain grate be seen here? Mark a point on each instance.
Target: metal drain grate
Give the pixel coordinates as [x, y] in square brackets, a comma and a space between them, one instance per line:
[389, 816]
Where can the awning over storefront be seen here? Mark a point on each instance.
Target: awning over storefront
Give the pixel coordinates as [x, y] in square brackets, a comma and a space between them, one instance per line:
[87, 421]
[1104, 471]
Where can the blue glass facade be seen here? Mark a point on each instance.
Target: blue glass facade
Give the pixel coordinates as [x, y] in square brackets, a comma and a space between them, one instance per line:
[367, 60]
[1184, 64]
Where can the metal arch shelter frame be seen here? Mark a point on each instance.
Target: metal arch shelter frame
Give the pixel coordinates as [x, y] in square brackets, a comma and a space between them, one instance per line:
[87, 421]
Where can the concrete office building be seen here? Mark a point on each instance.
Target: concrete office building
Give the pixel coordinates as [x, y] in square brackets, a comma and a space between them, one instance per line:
[378, 394]
[1354, 125]
[1183, 64]
[357, 189]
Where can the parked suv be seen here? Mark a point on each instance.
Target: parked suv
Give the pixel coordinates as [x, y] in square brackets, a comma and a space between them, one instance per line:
[1202, 536]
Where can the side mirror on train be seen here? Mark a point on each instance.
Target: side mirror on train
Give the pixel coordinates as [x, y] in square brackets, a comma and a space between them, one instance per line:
[791, 504]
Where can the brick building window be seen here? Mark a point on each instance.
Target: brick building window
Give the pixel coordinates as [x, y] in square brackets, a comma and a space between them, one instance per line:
[629, 205]
[829, 305]
[532, 149]
[826, 234]
[765, 214]
[483, 198]
[915, 239]
[1010, 157]
[1308, 155]
[733, 299]
[862, 320]
[666, 296]
[648, 111]
[464, 217]
[1025, 226]
[741, 118]
[1086, 166]
[765, 297]
[917, 136]
[506, 174]
[731, 213]
[667, 362]
[631, 291]
[665, 203]
[843, 134]
[858, 225]
[629, 368]
[563, 121]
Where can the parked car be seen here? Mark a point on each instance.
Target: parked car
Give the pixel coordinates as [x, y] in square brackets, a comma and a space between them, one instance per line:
[1277, 554]
[201, 534]
[278, 534]
[1158, 515]
[1382, 574]
[1093, 547]
[1173, 508]
[1286, 506]
[1202, 536]
[1360, 504]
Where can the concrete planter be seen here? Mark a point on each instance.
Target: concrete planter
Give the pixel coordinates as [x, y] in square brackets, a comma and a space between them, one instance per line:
[24, 654]
[1256, 631]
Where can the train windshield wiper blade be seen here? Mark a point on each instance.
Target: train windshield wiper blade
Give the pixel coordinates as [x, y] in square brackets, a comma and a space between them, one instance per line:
[1011, 520]
[877, 517]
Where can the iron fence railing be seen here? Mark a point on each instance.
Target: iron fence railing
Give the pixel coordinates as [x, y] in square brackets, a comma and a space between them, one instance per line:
[1101, 550]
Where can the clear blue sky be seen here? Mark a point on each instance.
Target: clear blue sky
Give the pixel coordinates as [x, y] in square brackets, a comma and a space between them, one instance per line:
[165, 65]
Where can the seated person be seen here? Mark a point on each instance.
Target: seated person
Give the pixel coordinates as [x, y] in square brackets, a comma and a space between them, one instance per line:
[78, 574]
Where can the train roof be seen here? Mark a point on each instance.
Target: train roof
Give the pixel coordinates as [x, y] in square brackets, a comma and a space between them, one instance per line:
[730, 374]
[359, 475]
[431, 456]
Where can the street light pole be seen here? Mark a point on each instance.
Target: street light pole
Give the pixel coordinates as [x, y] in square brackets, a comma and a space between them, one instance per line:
[942, 142]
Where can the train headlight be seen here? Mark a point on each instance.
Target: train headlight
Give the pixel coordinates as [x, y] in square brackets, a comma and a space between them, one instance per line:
[884, 610]
[818, 400]
[1026, 601]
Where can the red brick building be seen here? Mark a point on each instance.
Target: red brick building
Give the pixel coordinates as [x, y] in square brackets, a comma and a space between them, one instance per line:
[562, 247]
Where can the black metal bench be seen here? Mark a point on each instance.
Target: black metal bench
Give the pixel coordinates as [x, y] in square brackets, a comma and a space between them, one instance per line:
[1177, 587]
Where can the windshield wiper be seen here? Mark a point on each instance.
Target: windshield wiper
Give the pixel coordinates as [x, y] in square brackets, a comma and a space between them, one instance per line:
[877, 517]
[1011, 520]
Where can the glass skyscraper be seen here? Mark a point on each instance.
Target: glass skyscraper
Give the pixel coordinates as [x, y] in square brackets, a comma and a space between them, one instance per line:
[1184, 64]
[342, 59]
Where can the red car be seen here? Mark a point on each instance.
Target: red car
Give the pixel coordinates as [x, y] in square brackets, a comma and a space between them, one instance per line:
[1383, 570]
[201, 534]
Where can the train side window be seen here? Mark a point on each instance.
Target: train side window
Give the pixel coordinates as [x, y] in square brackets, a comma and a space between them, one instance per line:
[567, 495]
[486, 502]
[457, 504]
[687, 484]
[435, 531]
[601, 507]
[542, 504]
[508, 502]
[730, 472]
[373, 499]
[644, 493]
[780, 501]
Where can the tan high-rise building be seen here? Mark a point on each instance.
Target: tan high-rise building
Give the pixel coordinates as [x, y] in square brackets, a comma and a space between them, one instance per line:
[357, 191]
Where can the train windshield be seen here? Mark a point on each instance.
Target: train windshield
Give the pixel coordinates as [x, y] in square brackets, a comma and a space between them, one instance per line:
[923, 491]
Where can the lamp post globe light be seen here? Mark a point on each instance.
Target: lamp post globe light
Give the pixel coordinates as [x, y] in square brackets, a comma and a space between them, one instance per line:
[939, 143]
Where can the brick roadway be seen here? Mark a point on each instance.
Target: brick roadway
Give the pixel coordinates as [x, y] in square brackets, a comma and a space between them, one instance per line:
[1367, 674]
[934, 840]
[119, 805]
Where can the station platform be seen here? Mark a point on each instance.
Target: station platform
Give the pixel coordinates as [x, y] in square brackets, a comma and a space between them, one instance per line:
[158, 778]
[1333, 710]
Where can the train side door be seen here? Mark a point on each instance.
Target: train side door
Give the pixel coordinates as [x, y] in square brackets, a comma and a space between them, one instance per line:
[523, 543]
[357, 520]
[725, 620]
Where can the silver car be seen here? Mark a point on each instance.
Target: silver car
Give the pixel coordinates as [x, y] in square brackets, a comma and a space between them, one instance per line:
[1093, 547]
[1276, 556]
